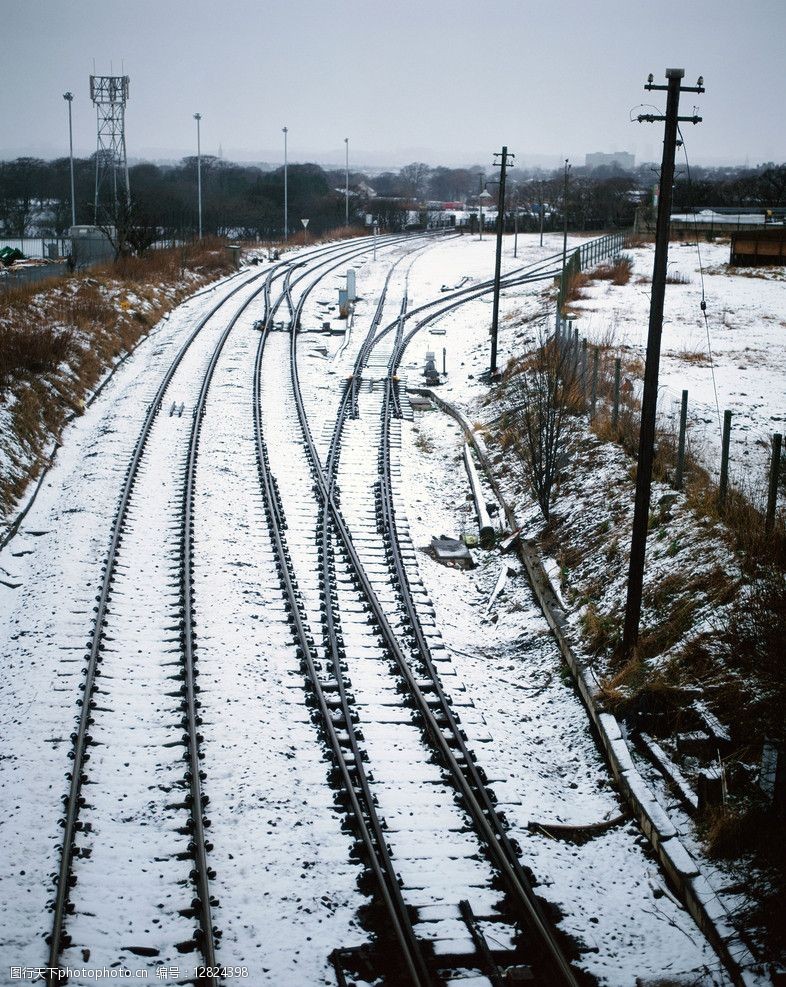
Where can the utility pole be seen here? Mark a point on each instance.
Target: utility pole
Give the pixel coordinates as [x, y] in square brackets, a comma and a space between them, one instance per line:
[502, 164]
[483, 193]
[542, 213]
[346, 182]
[649, 401]
[198, 117]
[69, 98]
[564, 234]
[285, 131]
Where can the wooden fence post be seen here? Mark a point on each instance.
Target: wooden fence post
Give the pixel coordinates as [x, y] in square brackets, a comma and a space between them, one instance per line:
[723, 486]
[615, 414]
[775, 467]
[678, 479]
[594, 399]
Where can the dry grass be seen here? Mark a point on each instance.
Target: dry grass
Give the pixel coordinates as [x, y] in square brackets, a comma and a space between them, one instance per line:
[741, 519]
[741, 522]
[601, 631]
[745, 830]
[696, 358]
[574, 289]
[618, 271]
[58, 337]
[636, 689]
[33, 352]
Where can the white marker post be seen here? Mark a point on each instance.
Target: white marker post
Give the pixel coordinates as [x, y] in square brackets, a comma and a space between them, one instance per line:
[305, 231]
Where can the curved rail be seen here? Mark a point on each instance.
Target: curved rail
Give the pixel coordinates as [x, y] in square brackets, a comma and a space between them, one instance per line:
[353, 776]
[473, 790]
[73, 800]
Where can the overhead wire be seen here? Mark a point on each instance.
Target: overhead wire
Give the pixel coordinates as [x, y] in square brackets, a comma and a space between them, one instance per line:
[703, 303]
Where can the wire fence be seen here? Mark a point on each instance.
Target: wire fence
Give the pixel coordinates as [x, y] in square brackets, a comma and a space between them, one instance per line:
[39, 247]
[586, 255]
[609, 392]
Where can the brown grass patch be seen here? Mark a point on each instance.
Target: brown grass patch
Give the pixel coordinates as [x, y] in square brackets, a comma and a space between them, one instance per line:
[58, 337]
[617, 271]
[574, 289]
[601, 631]
[33, 351]
[695, 357]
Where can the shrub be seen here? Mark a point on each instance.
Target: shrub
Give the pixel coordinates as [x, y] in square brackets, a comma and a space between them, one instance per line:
[32, 349]
[618, 271]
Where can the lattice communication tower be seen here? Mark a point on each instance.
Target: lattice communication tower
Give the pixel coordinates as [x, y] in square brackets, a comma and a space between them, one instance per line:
[109, 93]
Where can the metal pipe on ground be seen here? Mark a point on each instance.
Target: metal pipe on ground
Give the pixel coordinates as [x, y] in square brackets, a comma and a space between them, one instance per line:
[485, 527]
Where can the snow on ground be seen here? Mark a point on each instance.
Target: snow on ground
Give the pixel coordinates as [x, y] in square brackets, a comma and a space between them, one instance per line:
[541, 756]
[746, 325]
[49, 575]
[542, 760]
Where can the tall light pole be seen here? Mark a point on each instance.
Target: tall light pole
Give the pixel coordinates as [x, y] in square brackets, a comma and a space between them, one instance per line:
[198, 117]
[285, 131]
[69, 98]
[346, 182]
[484, 196]
[563, 285]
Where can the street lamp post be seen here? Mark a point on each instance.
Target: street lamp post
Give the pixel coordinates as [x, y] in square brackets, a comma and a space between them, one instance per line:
[346, 182]
[198, 117]
[69, 98]
[285, 131]
[484, 196]
[542, 215]
[563, 285]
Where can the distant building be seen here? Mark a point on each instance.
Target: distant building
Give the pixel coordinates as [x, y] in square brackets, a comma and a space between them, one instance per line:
[618, 159]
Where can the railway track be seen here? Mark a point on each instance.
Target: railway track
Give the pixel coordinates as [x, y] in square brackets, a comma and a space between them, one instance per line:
[78, 803]
[448, 895]
[432, 930]
[130, 705]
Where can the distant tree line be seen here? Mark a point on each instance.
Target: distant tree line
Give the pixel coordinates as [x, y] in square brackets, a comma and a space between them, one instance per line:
[247, 201]
[763, 187]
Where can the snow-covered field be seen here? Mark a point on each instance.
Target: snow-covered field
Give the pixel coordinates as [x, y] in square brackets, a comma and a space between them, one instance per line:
[734, 360]
[284, 876]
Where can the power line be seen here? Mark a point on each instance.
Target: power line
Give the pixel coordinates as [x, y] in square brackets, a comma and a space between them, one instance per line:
[703, 304]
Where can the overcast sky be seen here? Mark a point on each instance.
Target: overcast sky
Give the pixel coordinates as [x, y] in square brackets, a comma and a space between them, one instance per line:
[443, 81]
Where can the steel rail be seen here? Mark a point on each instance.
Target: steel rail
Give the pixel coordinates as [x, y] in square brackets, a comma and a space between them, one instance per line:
[534, 913]
[199, 845]
[490, 828]
[73, 800]
[81, 739]
[358, 790]
[496, 833]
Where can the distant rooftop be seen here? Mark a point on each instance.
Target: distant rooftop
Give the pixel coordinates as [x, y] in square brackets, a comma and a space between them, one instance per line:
[600, 159]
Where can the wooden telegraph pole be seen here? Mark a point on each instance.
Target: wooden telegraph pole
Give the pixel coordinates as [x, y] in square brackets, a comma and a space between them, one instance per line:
[502, 164]
[649, 401]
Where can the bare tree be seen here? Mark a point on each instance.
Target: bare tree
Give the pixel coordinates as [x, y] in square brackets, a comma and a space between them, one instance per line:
[414, 177]
[540, 396]
[127, 228]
